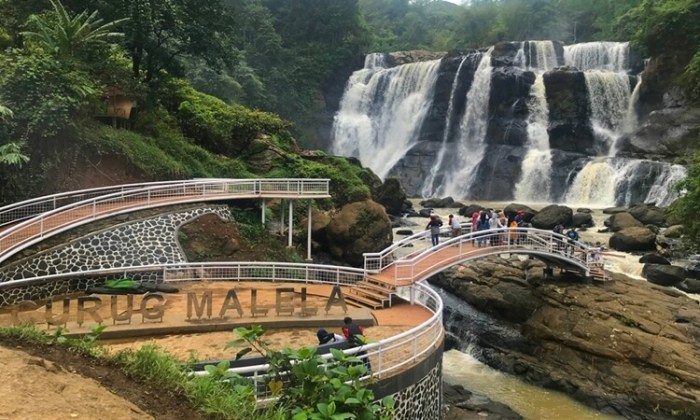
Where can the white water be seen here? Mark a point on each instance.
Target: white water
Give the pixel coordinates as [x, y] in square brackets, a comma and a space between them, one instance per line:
[470, 146]
[609, 97]
[631, 119]
[535, 181]
[544, 57]
[428, 188]
[610, 56]
[529, 401]
[662, 192]
[382, 111]
[593, 186]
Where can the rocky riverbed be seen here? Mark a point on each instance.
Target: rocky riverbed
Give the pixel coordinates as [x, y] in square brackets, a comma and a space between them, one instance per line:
[628, 347]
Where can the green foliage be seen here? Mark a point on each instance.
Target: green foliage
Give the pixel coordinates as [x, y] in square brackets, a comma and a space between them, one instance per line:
[216, 126]
[62, 34]
[346, 186]
[48, 96]
[309, 388]
[11, 154]
[685, 209]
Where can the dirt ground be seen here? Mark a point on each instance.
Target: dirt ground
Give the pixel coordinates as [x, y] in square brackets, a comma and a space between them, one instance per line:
[49, 382]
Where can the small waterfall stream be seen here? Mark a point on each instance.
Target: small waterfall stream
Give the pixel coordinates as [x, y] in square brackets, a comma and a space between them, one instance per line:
[470, 146]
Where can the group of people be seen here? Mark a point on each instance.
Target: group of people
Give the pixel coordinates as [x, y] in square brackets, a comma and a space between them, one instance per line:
[352, 333]
[481, 221]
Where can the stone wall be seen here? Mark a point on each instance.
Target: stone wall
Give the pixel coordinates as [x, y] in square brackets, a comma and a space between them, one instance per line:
[143, 242]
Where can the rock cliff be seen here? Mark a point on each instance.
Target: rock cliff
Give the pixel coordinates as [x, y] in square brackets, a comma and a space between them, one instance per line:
[629, 347]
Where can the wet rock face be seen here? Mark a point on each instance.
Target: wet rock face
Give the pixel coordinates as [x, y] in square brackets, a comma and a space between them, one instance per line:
[622, 348]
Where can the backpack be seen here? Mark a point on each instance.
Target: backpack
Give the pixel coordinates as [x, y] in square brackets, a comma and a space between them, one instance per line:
[572, 235]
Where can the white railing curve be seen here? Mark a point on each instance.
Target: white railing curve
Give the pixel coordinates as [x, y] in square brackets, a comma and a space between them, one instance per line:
[147, 195]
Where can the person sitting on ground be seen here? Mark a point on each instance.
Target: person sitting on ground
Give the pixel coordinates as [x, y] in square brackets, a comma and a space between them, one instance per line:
[325, 337]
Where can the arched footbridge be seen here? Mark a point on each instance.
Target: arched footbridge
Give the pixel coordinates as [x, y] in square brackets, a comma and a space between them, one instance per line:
[28, 222]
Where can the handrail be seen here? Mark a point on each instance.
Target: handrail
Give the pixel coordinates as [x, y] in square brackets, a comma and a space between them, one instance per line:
[387, 356]
[496, 241]
[378, 261]
[78, 213]
[26, 209]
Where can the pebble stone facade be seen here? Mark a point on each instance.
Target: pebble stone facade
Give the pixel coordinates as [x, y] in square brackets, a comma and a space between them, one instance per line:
[422, 400]
[143, 242]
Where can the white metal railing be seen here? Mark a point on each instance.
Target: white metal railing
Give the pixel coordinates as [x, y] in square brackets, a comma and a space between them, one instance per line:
[411, 245]
[74, 214]
[223, 271]
[387, 356]
[411, 268]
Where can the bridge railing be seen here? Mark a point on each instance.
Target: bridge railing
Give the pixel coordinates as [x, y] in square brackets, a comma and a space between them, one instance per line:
[74, 214]
[375, 262]
[490, 242]
[387, 357]
[23, 210]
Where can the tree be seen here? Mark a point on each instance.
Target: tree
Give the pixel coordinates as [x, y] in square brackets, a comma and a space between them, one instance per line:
[64, 35]
[11, 153]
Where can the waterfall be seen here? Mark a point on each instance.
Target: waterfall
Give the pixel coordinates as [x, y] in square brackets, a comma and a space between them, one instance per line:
[429, 187]
[593, 186]
[663, 192]
[605, 182]
[534, 184]
[545, 57]
[609, 98]
[381, 112]
[472, 131]
[610, 56]
[631, 120]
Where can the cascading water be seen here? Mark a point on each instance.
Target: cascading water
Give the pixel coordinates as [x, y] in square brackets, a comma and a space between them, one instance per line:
[478, 129]
[535, 181]
[429, 186]
[382, 111]
[470, 144]
[609, 97]
[610, 56]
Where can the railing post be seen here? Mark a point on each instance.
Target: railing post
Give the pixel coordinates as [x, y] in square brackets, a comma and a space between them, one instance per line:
[148, 197]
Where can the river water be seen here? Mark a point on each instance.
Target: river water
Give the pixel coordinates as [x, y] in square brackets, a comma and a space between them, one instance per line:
[531, 402]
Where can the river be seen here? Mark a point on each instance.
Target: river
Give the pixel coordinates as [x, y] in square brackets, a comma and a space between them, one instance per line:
[532, 402]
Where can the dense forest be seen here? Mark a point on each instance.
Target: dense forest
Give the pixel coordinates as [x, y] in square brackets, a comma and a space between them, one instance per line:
[209, 77]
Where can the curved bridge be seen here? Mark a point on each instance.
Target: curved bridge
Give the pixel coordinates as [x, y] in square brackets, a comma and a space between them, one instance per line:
[31, 221]
[414, 259]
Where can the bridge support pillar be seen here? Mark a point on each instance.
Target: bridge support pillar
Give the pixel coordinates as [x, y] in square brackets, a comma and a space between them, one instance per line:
[289, 236]
[308, 233]
[548, 272]
[262, 207]
[281, 217]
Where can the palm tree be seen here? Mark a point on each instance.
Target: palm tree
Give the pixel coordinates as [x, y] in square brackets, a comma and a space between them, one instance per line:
[67, 34]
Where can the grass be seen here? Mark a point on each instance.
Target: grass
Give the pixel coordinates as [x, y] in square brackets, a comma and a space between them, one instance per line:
[214, 398]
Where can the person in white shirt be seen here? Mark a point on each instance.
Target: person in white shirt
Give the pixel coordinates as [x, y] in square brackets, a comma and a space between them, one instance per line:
[455, 225]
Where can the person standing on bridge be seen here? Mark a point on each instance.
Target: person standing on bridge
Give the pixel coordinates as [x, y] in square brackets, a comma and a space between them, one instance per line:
[572, 236]
[455, 225]
[434, 226]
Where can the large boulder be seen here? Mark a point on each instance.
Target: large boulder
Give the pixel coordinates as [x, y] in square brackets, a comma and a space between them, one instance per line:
[623, 220]
[439, 203]
[689, 286]
[666, 134]
[633, 239]
[358, 227]
[649, 214]
[512, 209]
[392, 196]
[551, 216]
[467, 211]
[663, 275]
[582, 219]
[654, 258]
[675, 231]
